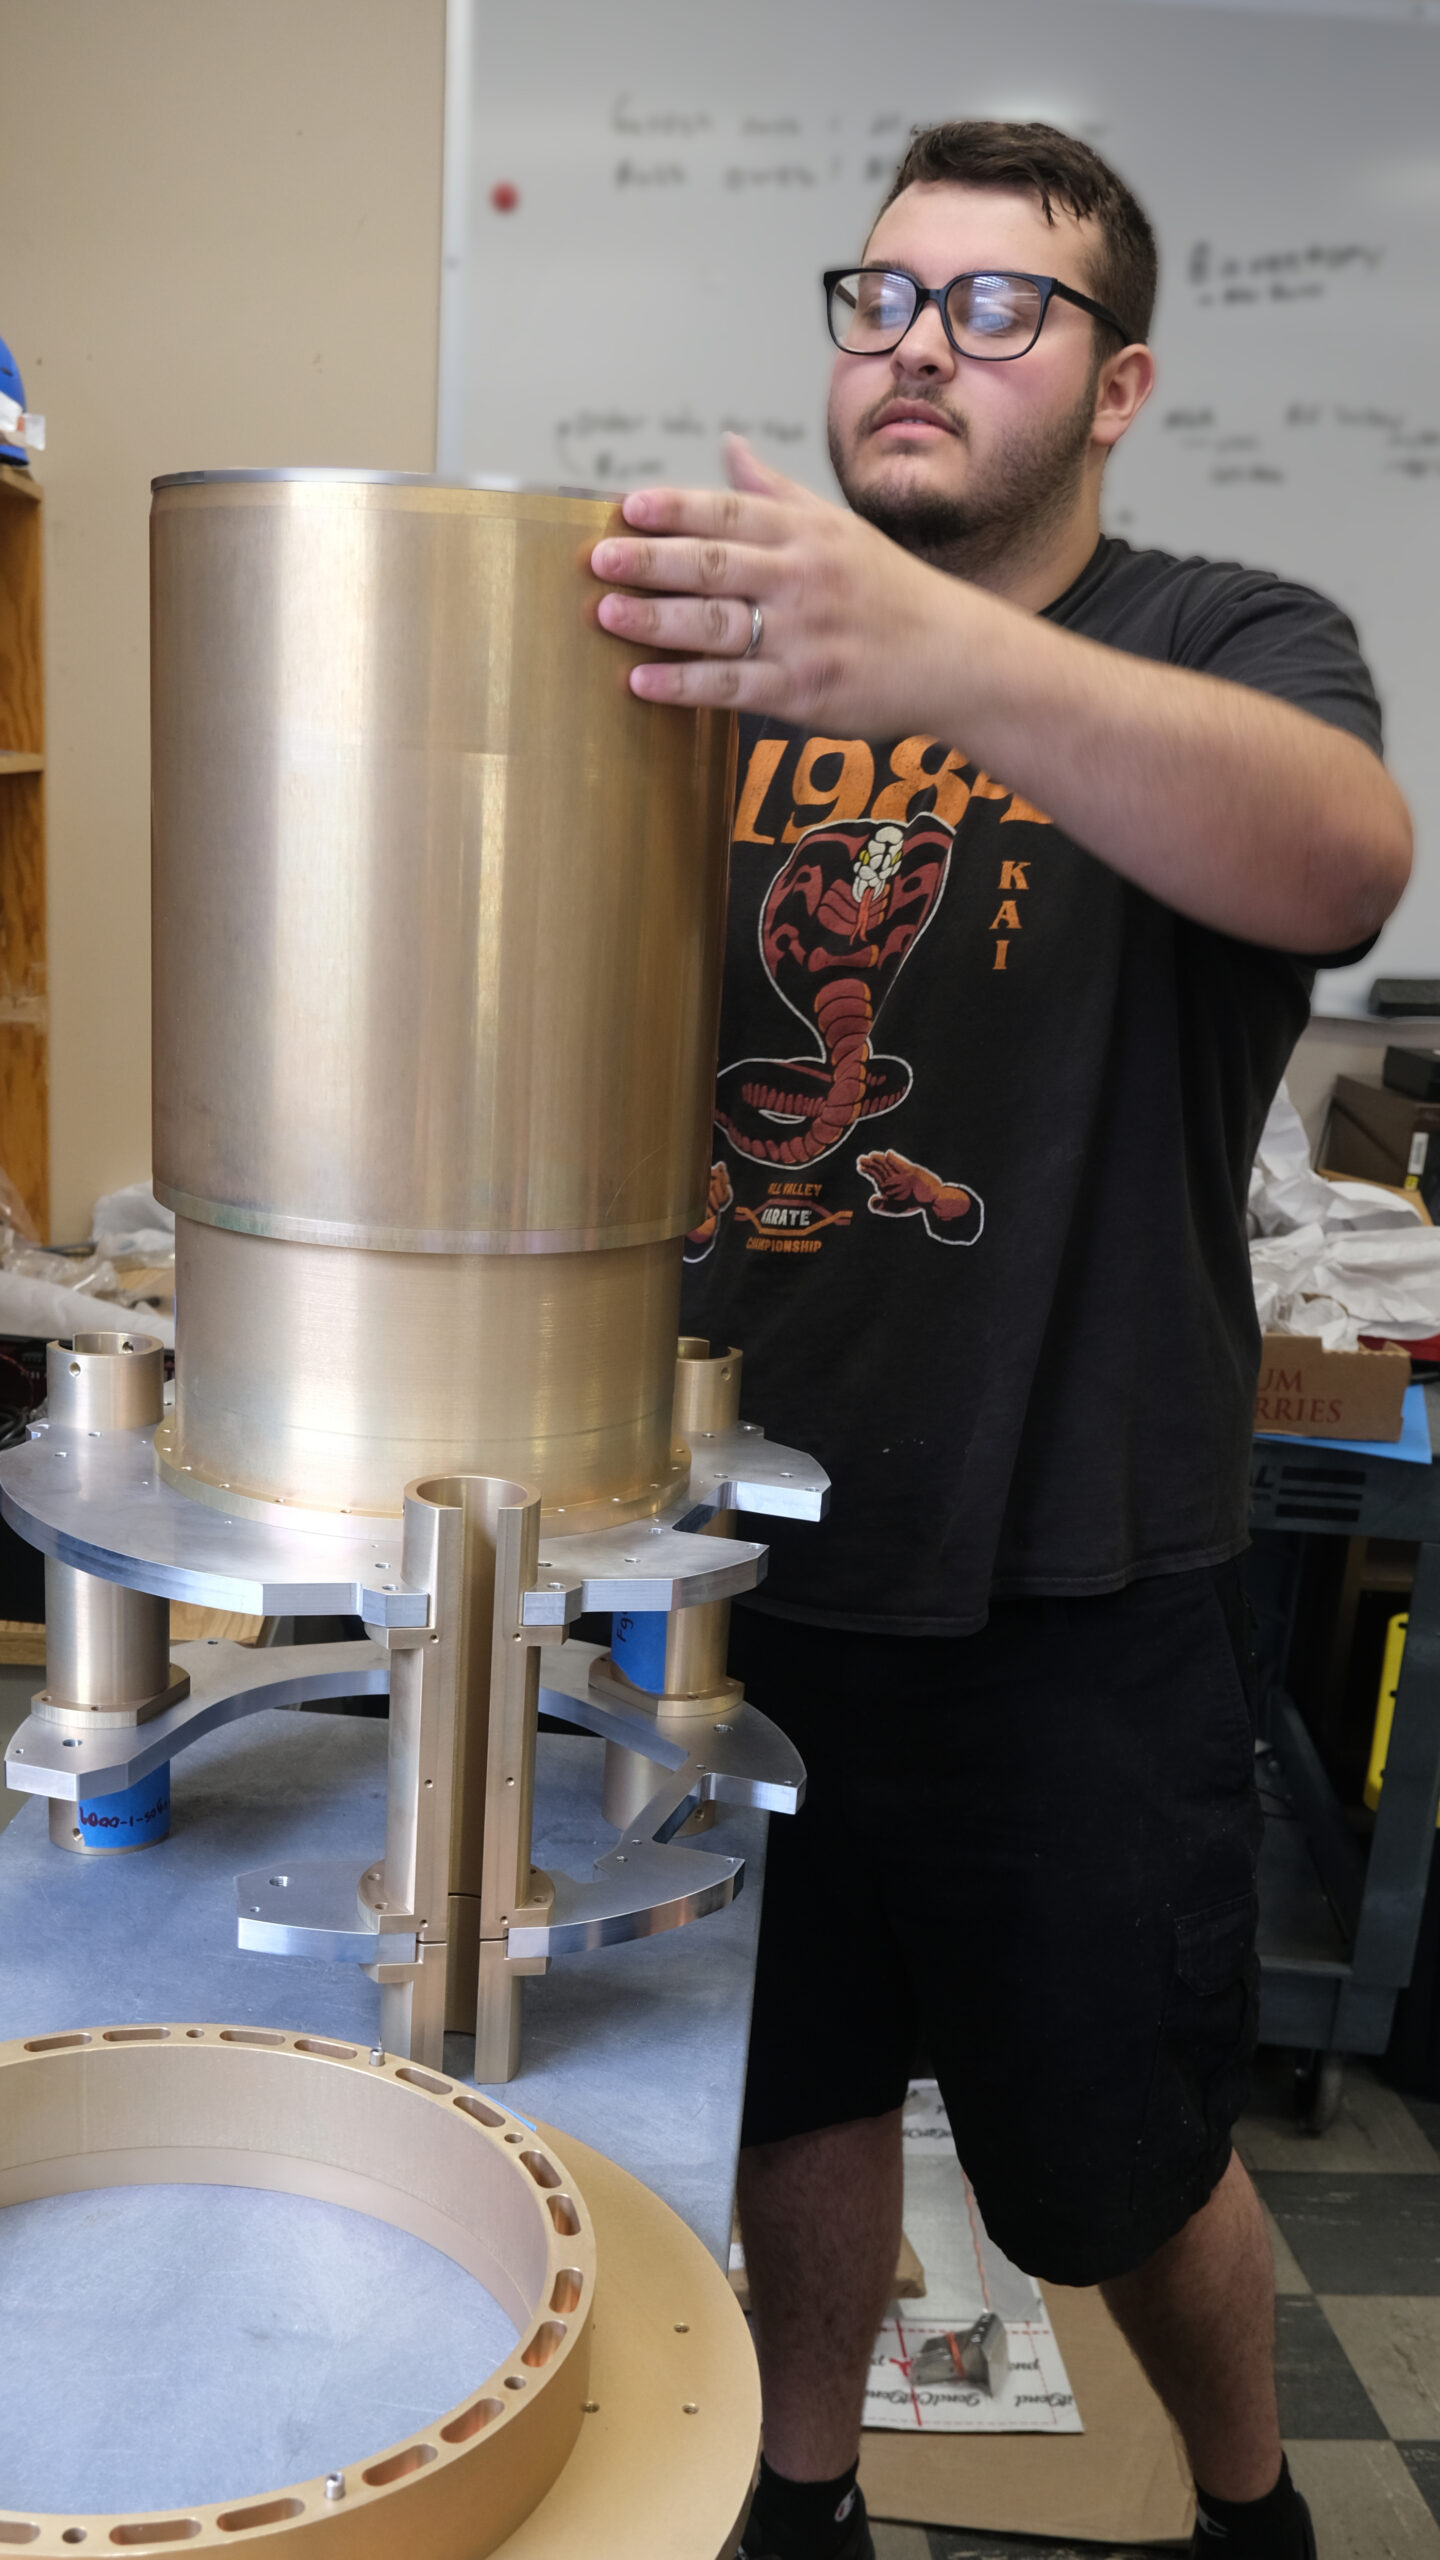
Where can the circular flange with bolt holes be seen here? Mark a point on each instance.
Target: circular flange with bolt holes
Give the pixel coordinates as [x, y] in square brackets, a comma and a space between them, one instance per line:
[632, 2433]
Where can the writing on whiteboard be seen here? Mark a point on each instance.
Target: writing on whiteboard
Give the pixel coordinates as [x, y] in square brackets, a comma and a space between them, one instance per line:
[616, 448]
[718, 151]
[1382, 438]
[1276, 275]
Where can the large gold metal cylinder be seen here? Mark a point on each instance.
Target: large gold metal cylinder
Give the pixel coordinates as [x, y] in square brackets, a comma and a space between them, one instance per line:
[438, 906]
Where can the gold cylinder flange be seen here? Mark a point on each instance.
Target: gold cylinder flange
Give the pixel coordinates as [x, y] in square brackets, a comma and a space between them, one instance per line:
[562, 2448]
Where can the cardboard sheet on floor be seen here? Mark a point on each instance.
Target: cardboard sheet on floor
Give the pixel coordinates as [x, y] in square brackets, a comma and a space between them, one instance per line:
[1124, 2480]
[1018, 2463]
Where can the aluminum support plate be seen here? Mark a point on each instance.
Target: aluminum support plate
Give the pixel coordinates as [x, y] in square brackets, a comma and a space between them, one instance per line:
[226, 1681]
[740, 1470]
[101, 1505]
[644, 1566]
[644, 1885]
[314, 1909]
[739, 1758]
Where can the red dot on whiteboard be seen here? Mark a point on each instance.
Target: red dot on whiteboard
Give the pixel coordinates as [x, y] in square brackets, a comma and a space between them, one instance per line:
[504, 197]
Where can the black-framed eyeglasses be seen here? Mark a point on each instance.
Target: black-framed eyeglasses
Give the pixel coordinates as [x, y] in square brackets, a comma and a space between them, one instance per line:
[996, 316]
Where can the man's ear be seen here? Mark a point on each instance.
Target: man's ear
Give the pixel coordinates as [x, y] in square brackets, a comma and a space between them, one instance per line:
[1125, 385]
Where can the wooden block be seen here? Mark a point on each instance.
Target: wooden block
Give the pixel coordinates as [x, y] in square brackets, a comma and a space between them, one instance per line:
[20, 1641]
[191, 1626]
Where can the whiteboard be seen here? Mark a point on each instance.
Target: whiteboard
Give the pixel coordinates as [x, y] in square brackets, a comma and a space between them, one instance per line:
[640, 199]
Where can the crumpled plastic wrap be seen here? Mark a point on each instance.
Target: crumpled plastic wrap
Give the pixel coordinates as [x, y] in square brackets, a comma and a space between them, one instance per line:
[38, 1306]
[132, 1224]
[109, 1286]
[1333, 1259]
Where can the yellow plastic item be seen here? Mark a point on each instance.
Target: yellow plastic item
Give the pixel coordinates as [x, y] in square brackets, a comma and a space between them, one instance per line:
[1385, 1709]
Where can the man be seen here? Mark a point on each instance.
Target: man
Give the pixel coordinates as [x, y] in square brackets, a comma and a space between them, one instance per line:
[1038, 842]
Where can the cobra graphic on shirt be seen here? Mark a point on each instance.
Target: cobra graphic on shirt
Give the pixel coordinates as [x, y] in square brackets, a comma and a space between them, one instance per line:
[838, 921]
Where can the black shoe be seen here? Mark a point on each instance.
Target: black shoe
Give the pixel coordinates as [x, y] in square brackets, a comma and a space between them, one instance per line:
[1211, 2546]
[857, 2544]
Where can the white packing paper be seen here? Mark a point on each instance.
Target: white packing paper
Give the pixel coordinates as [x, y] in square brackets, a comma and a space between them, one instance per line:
[1334, 1260]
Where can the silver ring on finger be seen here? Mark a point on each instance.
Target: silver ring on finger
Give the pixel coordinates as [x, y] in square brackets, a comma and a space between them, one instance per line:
[757, 632]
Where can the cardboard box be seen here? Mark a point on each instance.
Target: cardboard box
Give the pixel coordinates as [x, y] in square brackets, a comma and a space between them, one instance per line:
[1124, 2480]
[1383, 1136]
[1309, 1393]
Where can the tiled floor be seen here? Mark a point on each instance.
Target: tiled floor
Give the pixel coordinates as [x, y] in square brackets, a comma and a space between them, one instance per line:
[1355, 2219]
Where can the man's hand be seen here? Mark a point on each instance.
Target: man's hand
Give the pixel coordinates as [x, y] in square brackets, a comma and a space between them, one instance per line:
[848, 616]
[1232, 807]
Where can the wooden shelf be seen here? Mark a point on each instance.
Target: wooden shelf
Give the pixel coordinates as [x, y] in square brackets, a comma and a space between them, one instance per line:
[24, 1076]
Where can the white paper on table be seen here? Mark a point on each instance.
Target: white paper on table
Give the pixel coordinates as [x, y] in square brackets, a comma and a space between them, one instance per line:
[965, 2274]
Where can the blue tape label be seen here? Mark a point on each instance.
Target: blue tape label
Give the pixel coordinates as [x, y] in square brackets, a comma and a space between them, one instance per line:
[637, 1647]
[131, 1817]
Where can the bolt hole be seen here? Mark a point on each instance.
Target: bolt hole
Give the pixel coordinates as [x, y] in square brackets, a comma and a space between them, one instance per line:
[682, 2328]
[514, 2381]
[74, 1368]
[691, 2408]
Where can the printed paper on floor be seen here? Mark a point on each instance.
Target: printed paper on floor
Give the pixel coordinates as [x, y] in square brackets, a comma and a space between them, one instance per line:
[965, 2276]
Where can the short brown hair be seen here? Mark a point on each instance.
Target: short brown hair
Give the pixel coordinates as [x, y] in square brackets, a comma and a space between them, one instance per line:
[1059, 170]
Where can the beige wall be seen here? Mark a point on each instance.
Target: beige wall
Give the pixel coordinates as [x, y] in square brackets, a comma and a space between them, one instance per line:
[219, 244]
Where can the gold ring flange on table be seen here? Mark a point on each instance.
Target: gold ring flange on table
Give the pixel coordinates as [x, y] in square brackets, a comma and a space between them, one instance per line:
[625, 2421]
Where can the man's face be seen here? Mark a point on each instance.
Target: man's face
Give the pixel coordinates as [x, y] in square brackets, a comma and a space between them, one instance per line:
[942, 450]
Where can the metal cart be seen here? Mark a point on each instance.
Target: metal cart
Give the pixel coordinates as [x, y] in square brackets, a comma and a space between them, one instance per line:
[1338, 1931]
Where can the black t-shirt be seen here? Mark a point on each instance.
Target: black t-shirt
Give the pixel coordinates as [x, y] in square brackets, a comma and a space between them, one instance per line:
[985, 1116]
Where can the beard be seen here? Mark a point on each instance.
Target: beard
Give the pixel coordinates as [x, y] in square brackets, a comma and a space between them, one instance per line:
[1028, 490]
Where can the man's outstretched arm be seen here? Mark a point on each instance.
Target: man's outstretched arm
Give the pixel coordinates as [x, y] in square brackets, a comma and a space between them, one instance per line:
[1239, 810]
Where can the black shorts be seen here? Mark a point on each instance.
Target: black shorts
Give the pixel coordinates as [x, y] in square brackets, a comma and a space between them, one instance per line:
[1029, 1857]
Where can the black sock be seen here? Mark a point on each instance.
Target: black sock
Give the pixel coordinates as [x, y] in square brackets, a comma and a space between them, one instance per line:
[800, 2519]
[1269, 2528]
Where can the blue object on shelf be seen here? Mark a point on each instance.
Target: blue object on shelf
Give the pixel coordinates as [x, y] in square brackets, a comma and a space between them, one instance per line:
[1412, 1447]
[14, 389]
